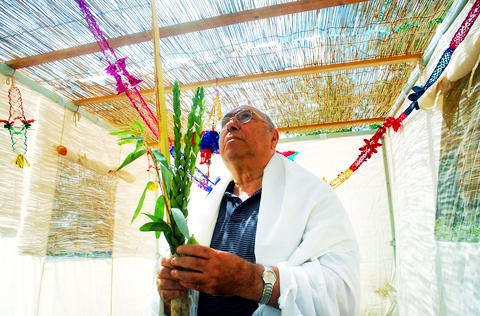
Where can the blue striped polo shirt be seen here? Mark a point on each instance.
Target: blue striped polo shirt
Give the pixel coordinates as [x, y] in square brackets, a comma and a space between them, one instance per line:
[235, 233]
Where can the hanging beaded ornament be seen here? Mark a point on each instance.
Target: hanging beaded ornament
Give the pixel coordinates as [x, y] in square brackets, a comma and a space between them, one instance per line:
[17, 125]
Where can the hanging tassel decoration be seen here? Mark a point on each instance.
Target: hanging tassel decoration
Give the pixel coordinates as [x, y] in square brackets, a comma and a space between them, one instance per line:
[208, 146]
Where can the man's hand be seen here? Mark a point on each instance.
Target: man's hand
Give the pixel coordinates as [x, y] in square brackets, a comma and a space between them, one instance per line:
[216, 272]
[167, 286]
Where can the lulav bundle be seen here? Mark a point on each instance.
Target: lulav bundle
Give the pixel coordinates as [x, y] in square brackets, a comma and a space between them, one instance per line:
[184, 163]
[174, 181]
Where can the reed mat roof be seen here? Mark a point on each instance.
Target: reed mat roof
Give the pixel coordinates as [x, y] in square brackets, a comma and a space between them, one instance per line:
[311, 65]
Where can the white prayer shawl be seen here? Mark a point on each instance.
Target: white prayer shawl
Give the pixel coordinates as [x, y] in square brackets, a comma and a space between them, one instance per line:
[303, 230]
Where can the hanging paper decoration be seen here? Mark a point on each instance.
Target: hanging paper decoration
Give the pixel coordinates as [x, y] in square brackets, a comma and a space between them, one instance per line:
[216, 107]
[17, 125]
[290, 154]
[203, 181]
[126, 83]
[372, 144]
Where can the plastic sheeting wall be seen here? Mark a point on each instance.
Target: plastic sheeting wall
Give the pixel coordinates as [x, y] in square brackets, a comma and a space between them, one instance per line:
[432, 277]
[32, 285]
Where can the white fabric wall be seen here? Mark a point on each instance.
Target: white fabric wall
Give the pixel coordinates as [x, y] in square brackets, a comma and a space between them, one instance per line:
[364, 196]
[414, 206]
[433, 278]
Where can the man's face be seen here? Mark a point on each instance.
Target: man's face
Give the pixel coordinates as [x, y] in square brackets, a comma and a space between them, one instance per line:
[251, 140]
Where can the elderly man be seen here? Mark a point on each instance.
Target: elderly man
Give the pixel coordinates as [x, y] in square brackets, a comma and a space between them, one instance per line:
[280, 242]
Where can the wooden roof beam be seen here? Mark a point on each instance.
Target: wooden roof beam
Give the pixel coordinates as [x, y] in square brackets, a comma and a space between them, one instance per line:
[179, 29]
[265, 76]
[285, 129]
[330, 124]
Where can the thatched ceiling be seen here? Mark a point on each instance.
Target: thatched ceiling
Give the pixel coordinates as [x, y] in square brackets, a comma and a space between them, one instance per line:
[311, 65]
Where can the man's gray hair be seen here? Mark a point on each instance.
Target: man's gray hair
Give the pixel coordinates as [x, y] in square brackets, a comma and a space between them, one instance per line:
[269, 121]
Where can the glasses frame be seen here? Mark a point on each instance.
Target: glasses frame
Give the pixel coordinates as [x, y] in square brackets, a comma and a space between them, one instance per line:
[222, 124]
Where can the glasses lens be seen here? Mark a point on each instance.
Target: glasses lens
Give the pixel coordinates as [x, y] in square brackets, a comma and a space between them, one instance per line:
[243, 117]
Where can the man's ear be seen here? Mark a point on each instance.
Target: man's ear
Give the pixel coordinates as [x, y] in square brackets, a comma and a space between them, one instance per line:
[275, 138]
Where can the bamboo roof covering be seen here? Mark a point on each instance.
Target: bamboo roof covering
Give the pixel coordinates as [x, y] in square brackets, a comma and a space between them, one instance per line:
[311, 65]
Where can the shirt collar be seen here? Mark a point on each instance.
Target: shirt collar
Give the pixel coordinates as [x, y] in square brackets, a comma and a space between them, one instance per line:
[231, 185]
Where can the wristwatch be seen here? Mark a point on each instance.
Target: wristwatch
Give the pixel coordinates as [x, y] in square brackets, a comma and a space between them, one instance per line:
[269, 278]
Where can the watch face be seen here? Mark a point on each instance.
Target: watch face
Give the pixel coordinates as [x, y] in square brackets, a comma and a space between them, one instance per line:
[269, 276]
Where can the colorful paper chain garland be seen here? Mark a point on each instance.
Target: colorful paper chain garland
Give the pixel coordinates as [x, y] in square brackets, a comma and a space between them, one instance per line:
[17, 125]
[126, 83]
[372, 144]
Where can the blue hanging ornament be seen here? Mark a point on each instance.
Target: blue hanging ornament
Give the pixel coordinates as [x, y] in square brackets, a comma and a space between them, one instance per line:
[208, 146]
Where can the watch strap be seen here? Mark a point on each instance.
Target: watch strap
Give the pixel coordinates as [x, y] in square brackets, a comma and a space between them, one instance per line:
[267, 288]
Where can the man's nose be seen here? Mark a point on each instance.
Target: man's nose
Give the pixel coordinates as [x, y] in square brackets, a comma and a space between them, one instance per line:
[232, 124]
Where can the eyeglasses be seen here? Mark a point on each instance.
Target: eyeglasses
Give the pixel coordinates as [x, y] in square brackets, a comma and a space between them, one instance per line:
[241, 117]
